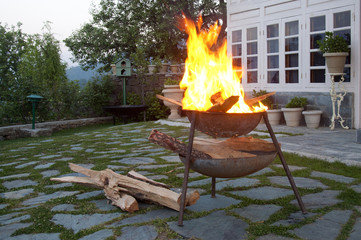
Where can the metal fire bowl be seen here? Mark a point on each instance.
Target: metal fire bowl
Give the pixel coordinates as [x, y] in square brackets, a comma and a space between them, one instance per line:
[219, 124]
[231, 167]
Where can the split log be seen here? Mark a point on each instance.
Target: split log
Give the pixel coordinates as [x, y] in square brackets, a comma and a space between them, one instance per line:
[252, 101]
[175, 145]
[216, 98]
[249, 144]
[168, 100]
[224, 106]
[122, 189]
[135, 175]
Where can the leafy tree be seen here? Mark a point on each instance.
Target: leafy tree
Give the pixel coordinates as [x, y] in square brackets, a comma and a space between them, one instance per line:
[120, 27]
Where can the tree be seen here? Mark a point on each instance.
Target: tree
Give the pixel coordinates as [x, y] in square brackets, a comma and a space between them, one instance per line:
[118, 28]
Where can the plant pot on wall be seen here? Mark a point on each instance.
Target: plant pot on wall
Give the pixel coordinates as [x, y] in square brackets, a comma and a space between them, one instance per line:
[164, 68]
[335, 62]
[292, 116]
[151, 68]
[174, 68]
[274, 116]
[312, 118]
[174, 92]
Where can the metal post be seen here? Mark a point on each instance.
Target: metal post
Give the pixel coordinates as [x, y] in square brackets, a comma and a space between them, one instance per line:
[213, 193]
[124, 93]
[186, 169]
[33, 110]
[284, 164]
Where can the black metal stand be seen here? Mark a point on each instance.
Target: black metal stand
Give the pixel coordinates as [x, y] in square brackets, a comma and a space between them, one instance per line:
[187, 166]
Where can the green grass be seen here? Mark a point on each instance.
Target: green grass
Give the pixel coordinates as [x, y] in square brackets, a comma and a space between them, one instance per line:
[96, 141]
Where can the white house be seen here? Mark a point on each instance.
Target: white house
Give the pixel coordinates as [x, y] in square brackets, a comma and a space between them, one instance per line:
[275, 43]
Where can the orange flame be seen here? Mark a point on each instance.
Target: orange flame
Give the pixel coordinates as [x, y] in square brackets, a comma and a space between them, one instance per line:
[208, 72]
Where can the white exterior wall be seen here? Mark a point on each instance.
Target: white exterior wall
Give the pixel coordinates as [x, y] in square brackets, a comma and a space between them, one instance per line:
[244, 14]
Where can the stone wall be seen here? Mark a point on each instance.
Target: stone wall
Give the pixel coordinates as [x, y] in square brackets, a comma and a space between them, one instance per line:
[47, 128]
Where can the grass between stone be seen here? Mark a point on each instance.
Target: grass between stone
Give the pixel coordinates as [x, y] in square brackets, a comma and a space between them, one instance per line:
[100, 145]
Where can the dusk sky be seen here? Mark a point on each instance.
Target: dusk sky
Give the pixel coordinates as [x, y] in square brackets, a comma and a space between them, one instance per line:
[66, 16]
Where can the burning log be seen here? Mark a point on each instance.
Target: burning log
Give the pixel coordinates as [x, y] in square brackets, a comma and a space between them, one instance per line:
[225, 105]
[122, 190]
[252, 101]
[175, 145]
[216, 98]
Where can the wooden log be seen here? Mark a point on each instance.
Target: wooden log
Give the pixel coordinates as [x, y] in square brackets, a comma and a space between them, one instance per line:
[168, 100]
[218, 151]
[248, 144]
[117, 186]
[252, 101]
[135, 175]
[216, 98]
[224, 106]
[174, 145]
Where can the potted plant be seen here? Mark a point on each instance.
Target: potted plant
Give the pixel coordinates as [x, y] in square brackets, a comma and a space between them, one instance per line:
[335, 49]
[274, 114]
[173, 91]
[293, 111]
[312, 118]
[154, 65]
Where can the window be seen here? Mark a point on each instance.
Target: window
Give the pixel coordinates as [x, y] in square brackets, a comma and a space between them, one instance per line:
[291, 52]
[252, 55]
[273, 53]
[317, 61]
[237, 48]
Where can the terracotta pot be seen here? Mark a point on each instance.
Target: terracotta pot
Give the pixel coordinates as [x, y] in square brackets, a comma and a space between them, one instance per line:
[274, 116]
[292, 116]
[174, 92]
[312, 118]
[335, 62]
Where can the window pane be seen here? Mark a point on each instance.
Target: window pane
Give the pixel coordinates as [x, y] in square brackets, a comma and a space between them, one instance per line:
[318, 76]
[272, 62]
[237, 36]
[342, 19]
[252, 77]
[273, 77]
[317, 59]
[252, 48]
[237, 62]
[317, 23]
[346, 34]
[252, 62]
[291, 44]
[272, 46]
[291, 28]
[291, 60]
[237, 50]
[251, 34]
[292, 76]
[348, 58]
[272, 31]
[314, 38]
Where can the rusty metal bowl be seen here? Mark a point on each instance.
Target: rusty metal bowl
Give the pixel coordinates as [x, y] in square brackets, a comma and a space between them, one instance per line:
[231, 167]
[219, 124]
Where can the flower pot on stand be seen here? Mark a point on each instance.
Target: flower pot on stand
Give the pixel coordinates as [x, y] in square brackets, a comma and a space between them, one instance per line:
[312, 118]
[274, 116]
[292, 116]
[173, 92]
[335, 62]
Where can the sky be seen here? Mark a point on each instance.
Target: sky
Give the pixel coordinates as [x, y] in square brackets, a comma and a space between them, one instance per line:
[66, 16]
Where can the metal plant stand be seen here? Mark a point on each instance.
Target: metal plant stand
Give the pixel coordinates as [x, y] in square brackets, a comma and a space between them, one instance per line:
[339, 98]
[187, 166]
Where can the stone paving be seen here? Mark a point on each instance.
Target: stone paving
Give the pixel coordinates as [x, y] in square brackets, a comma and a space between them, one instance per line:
[261, 206]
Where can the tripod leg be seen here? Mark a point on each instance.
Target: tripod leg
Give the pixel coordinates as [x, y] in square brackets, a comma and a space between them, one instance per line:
[186, 169]
[284, 164]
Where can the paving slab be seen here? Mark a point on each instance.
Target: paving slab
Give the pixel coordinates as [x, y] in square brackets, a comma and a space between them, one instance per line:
[9, 164]
[191, 175]
[148, 216]
[214, 226]
[20, 175]
[89, 194]
[50, 173]
[142, 232]
[64, 207]
[326, 227]
[172, 159]
[292, 168]
[2, 206]
[264, 193]
[60, 185]
[319, 200]
[273, 237]
[294, 218]
[44, 198]
[301, 182]
[7, 230]
[158, 177]
[17, 194]
[207, 203]
[83, 221]
[15, 219]
[37, 236]
[334, 177]
[261, 172]
[356, 230]
[135, 160]
[357, 188]
[43, 166]
[257, 213]
[154, 166]
[25, 164]
[19, 183]
[99, 235]
[103, 205]
[50, 156]
[234, 183]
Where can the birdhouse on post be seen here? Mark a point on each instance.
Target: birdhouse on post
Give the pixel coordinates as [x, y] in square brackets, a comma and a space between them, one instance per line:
[123, 68]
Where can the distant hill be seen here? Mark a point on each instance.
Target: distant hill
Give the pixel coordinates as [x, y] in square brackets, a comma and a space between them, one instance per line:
[76, 73]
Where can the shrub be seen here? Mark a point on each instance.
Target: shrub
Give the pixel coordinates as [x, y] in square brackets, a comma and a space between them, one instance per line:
[297, 102]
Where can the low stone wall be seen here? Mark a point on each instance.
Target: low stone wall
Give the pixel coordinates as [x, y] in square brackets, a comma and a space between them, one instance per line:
[47, 128]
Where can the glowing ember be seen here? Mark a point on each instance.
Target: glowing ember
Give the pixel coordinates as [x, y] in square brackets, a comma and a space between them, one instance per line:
[208, 72]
